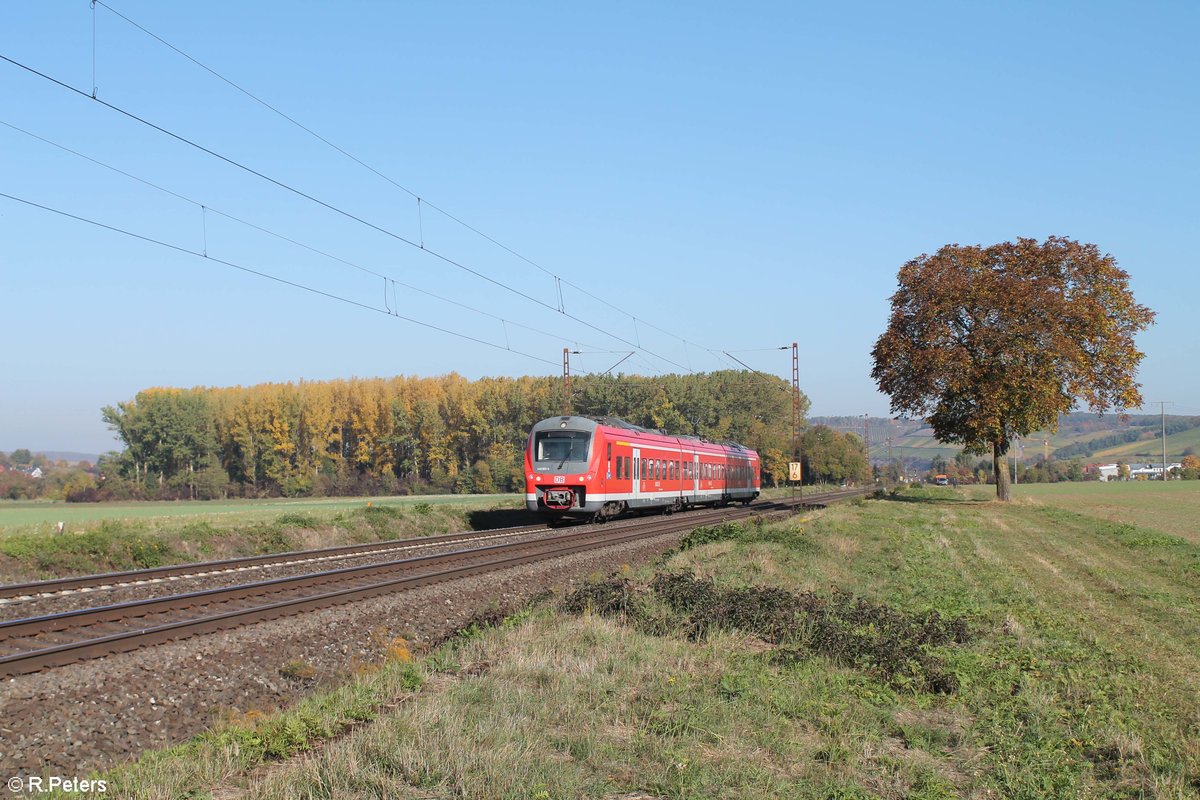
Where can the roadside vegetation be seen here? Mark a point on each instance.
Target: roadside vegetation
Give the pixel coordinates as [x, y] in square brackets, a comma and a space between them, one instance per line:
[930, 645]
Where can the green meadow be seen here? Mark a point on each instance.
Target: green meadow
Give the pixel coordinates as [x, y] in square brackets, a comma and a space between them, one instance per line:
[934, 644]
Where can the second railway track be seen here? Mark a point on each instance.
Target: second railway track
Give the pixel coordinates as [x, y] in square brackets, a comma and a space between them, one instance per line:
[37, 643]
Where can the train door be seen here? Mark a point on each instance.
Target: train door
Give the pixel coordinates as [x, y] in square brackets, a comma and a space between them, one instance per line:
[695, 487]
[637, 476]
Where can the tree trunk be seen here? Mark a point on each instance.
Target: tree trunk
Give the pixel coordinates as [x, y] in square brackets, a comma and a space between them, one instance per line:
[1000, 470]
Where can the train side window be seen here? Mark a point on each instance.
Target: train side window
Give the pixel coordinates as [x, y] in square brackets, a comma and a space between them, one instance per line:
[627, 472]
[617, 473]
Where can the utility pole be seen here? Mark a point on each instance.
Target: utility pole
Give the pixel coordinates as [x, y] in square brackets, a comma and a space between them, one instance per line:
[867, 437]
[796, 416]
[566, 381]
[1015, 466]
[1162, 408]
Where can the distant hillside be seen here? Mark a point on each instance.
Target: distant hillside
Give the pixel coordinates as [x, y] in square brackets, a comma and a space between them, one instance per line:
[61, 455]
[1080, 435]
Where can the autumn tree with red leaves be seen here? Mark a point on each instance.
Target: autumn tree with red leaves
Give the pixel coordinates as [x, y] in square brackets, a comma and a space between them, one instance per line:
[990, 343]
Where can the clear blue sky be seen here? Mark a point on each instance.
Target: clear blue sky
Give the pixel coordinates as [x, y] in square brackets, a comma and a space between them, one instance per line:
[741, 177]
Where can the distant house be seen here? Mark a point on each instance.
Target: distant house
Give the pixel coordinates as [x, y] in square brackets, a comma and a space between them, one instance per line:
[1153, 472]
[1147, 471]
[36, 472]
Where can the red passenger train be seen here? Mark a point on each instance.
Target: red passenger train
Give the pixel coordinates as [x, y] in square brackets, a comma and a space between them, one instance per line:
[598, 468]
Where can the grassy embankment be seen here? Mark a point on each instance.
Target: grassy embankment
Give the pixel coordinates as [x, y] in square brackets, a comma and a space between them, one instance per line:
[1064, 661]
[107, 537]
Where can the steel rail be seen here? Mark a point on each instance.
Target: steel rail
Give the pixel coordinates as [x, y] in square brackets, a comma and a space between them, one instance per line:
[485, 559]
[202, 568]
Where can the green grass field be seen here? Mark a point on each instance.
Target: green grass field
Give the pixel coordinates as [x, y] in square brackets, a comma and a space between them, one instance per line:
[1063, 661]
[112, 537]
[1172, 507]
[16, 515]
[1151, 449]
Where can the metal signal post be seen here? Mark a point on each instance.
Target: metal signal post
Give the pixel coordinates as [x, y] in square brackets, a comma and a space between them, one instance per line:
[566, 381]
[796, 417]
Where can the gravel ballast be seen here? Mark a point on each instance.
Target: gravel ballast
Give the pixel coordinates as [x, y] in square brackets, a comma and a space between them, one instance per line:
[92, 715]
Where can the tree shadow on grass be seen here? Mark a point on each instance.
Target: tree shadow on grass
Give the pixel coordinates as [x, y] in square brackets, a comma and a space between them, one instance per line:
[501, 518]
[938, 500]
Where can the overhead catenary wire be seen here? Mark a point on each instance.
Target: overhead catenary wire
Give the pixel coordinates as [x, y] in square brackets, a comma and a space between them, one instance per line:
[206, 209]
[269, 276]
[373, 170]
[329, 206]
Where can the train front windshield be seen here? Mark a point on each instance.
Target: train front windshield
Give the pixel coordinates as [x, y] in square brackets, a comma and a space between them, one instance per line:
[559, 447]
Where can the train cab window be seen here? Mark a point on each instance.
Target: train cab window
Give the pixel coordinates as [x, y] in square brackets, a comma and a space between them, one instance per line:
[560, 446]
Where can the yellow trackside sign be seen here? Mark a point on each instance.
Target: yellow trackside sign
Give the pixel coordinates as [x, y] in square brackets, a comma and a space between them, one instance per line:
[794, 471]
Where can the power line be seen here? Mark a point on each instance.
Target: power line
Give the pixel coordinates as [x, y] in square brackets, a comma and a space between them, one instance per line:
[420, 200]
[336, 209]
[209, 209]
[269, 276]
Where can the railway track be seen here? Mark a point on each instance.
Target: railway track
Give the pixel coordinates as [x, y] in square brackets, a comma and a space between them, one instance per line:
[16, 592]
[38, 643]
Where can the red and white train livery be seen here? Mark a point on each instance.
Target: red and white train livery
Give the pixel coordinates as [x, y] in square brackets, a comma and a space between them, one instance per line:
[584, 467]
